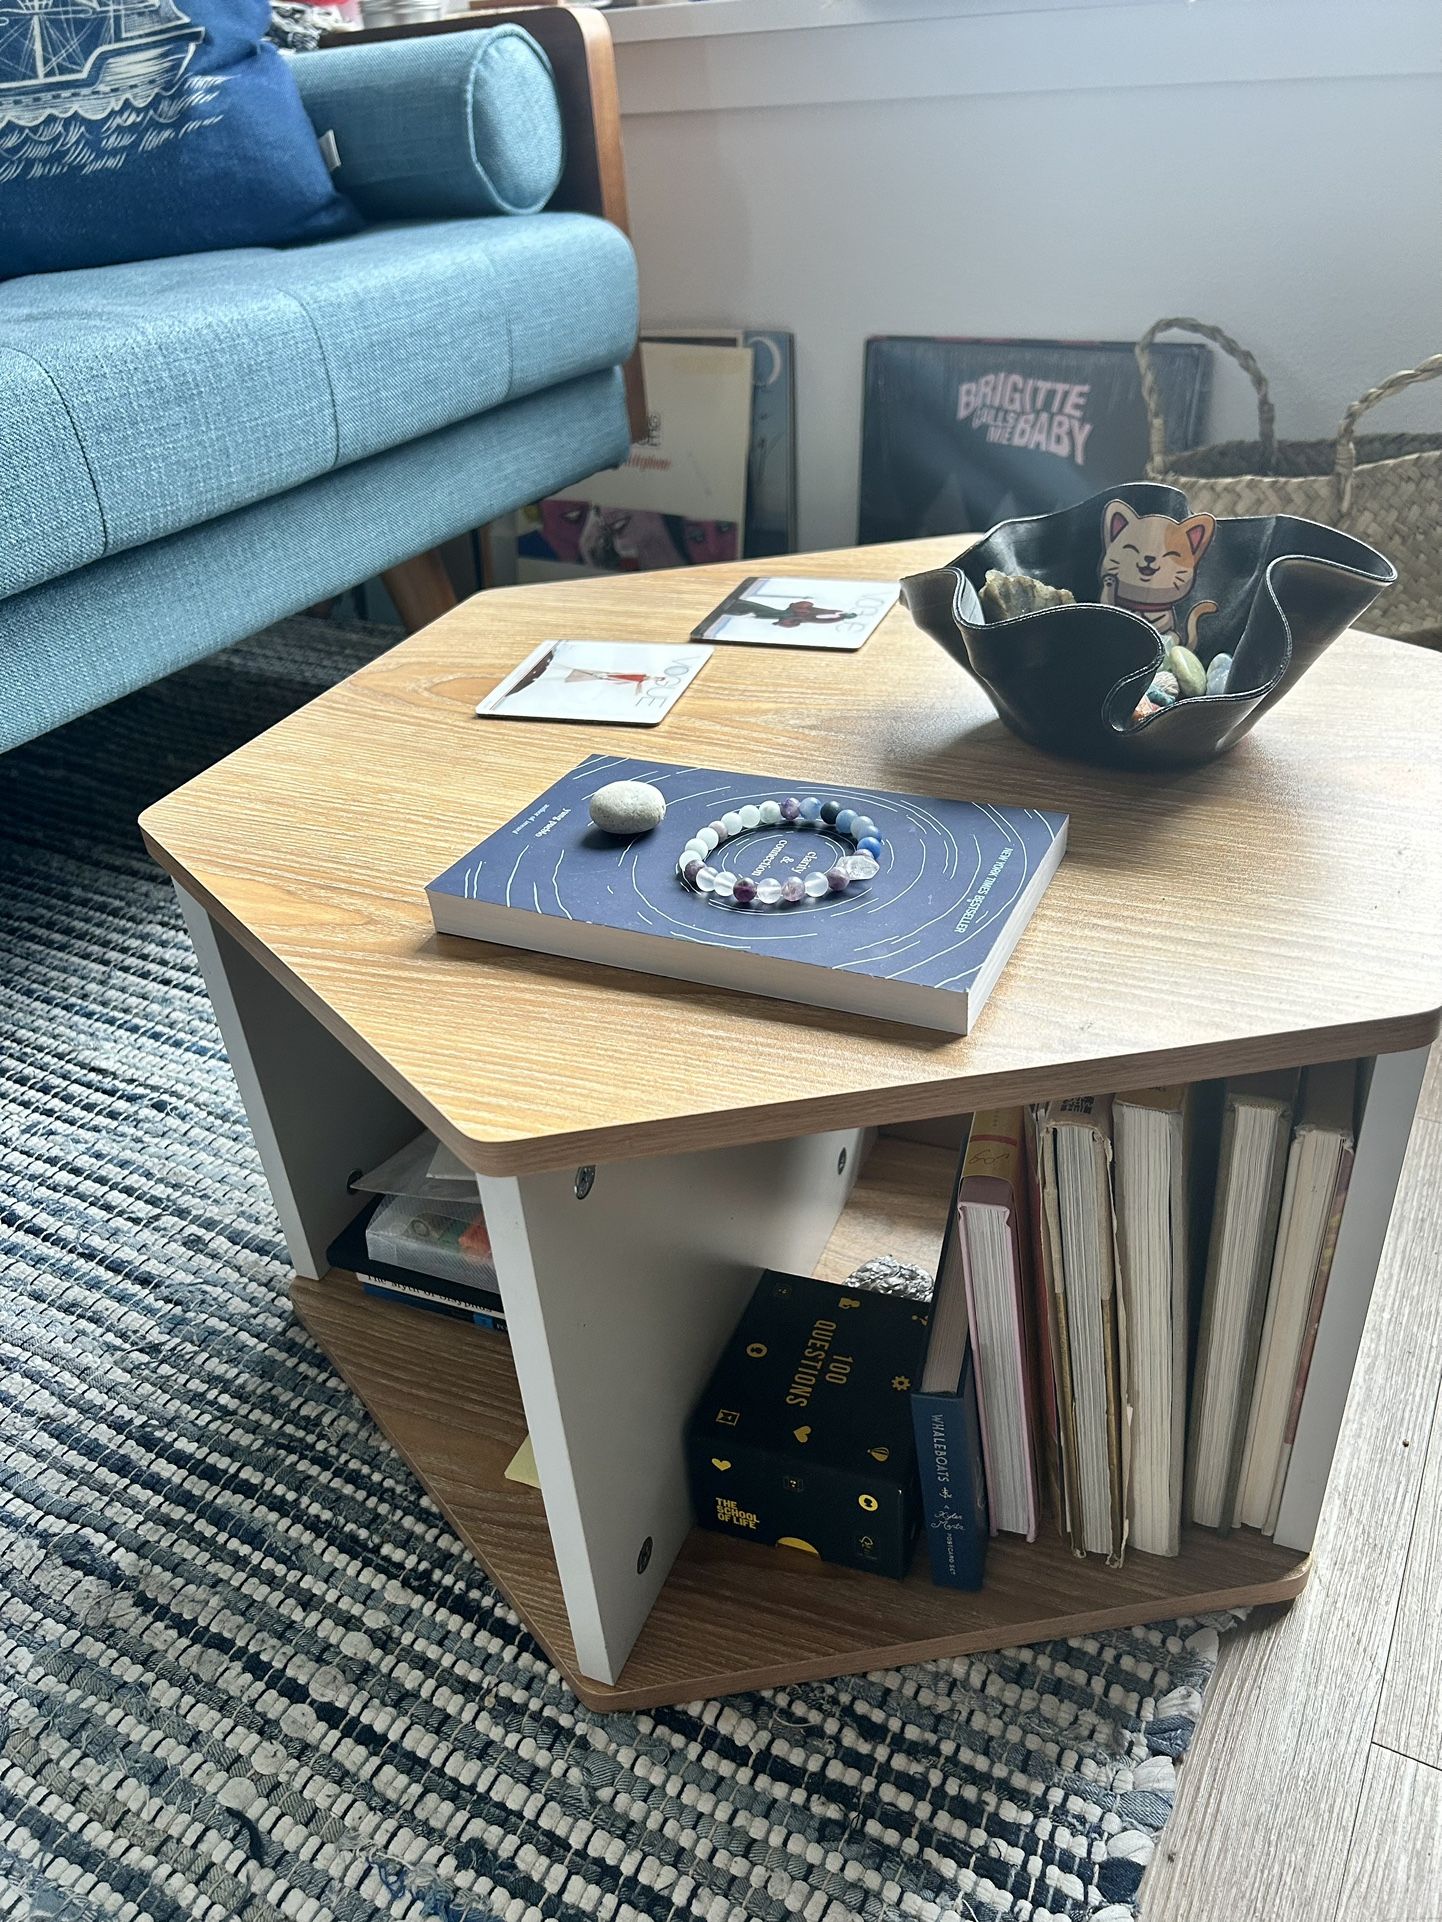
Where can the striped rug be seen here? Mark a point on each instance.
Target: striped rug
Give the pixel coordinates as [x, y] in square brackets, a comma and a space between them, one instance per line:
[245, 1672]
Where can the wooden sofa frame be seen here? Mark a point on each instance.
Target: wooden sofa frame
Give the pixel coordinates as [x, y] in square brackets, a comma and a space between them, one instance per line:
[578, 46]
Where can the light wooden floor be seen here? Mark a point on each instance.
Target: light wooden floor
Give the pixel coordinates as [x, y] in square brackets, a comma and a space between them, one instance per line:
[1314, 1786]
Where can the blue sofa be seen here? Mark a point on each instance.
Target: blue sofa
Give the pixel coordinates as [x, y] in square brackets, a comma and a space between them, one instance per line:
[194, 447]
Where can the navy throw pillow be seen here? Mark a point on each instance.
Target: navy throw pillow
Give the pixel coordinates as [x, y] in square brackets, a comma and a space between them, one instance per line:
[130, 129]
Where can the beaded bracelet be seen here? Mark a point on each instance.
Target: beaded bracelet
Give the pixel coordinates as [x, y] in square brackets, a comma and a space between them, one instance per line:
[697, 873]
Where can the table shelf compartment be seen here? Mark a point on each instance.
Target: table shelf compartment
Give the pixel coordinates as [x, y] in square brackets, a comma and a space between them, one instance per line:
[733, 1617]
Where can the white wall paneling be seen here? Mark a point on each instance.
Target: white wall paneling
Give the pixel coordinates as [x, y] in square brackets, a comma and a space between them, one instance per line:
[970, 167]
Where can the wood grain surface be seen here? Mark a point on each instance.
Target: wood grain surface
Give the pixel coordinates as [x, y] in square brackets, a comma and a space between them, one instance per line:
[898, 1207]
[1275, 1778]
[1283, 905]
[1409, 1714]
[732, 1616]
[1394, 1860]
[1429, 1102]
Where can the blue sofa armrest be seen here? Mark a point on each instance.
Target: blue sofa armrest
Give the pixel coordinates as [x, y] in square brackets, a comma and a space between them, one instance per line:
[577, 42]
[449, 125]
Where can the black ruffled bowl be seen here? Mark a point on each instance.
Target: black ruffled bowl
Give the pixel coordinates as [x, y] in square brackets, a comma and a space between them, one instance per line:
[1069, 678]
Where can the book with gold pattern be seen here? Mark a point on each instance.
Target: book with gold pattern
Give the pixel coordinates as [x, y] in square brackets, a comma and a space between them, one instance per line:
[803, 1437]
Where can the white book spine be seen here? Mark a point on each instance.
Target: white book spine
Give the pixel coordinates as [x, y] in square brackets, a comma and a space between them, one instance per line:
[1151, 1223]
[1381, 1145]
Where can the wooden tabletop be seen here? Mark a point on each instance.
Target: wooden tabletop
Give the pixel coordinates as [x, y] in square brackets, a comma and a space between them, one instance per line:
[1283, 905]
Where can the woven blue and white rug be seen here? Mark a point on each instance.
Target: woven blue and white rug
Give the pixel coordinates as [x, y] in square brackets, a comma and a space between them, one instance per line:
[245, 1671]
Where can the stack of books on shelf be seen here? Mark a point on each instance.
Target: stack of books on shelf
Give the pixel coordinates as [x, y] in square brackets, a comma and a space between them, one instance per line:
[1138, 1280]
[1118, 1344]
[422, 1241]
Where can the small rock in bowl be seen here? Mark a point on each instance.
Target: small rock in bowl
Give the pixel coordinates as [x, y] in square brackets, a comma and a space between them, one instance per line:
[1219, 669]
[1004, 596]
[628, 807]
[1191, 675]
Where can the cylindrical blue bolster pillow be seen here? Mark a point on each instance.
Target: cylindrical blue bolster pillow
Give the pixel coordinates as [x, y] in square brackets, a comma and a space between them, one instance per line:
[448, 124]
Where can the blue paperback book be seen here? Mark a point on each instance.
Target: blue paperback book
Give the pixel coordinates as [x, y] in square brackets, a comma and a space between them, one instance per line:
[953, 1485]
[923, 941]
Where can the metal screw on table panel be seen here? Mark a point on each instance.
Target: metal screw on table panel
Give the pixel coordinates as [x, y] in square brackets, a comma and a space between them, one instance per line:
[841, 1162]
[585, 1182]
[643, 1559]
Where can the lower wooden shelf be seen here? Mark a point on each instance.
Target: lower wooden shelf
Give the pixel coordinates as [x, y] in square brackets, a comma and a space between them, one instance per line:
[732, 1617]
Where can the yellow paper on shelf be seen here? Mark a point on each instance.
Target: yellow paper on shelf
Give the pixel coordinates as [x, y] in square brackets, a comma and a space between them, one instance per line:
[522, 1466]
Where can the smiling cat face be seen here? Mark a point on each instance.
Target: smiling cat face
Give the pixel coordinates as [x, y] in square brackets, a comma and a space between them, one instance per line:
[1151, 557]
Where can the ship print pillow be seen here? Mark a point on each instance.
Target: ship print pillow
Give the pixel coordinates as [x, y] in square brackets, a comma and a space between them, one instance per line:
[131, 129]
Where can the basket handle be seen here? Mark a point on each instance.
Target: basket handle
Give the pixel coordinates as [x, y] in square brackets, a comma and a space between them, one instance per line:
[1345, 466]
[1151, 392]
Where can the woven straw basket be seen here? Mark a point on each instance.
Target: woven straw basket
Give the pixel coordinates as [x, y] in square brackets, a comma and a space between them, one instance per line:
[1386, 489]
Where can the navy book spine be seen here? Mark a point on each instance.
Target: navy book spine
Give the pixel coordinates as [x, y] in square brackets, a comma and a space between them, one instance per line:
[953, 1487]
[407, 1298]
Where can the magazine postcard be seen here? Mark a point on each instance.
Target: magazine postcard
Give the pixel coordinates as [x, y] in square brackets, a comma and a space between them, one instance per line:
[775, 610]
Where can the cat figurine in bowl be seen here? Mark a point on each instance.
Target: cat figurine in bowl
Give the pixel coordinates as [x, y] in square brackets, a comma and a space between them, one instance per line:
[1149, 562]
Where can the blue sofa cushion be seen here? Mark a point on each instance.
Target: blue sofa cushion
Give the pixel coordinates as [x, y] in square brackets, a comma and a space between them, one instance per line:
[192, 385]
[129, 132]
[136, 401]
[425, 325]
[49, 515]
[73, 643]
[450, 124]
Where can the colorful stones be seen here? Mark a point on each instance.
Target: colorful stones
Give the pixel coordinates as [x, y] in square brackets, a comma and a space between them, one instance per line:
[1191, 675]
[627, 807]
[1182, 678]
[1005, 597]
[861, 863]
[1166, 689]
